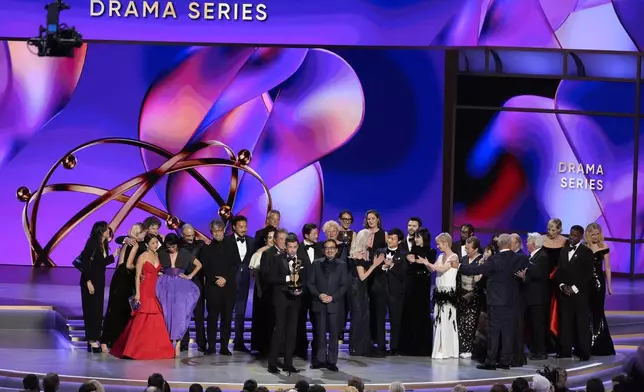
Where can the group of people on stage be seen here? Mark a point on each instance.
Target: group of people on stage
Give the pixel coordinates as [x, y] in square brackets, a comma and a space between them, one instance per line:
[483, 299]
[553, 294]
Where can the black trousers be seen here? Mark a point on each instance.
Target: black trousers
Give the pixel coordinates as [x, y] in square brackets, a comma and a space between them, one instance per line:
[392, 304]
[287, 309]
[200, 329]
[501, 334]
[93, 310]
[220, 302]
[536, 321]
[241, 302]
[518, 357]
[574, 319]
[302, 343]
[327, 348]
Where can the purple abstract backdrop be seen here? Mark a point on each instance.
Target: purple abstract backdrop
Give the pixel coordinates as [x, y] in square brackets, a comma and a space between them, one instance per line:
[324, 127]
[571, 24]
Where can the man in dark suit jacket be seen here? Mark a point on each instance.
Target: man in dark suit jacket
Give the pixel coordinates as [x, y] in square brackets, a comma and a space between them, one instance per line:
[413, 224]
[285, 279]
[502, 291]
[219, 274]
[263, 314]
[574, 279]
[522, 262]
[388, 290]
[272, 222]
[327, 282]
[308, 250]
[239, 249]
[458, 247]
[536, 287]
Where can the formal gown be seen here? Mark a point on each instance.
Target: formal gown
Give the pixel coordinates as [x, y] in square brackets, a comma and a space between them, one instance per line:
[145, 336]
[445, 300]
[118, 311]
[551, 316]
[416, 332]
[601, 341]
[178, 297]
[359, 332]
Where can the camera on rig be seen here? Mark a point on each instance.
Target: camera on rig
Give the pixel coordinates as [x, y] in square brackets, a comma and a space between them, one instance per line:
[56, 39]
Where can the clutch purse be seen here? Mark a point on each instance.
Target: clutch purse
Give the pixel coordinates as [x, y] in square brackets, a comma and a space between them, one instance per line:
[134, 304]
[78, 263]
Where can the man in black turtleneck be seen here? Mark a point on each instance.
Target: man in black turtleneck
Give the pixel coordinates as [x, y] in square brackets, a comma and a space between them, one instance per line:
[218, 270]
[327, 281]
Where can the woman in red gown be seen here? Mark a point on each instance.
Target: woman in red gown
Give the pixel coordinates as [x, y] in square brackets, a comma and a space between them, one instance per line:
[146, 336]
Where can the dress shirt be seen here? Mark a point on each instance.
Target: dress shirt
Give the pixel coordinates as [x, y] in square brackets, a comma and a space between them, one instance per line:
[310, 250]
[241, 247]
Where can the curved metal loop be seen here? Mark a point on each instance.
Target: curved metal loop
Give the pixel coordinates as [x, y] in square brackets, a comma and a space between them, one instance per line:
[175, 163]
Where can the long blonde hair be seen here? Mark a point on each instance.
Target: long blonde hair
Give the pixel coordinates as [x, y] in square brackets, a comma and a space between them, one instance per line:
[591, 227]
[360, 244]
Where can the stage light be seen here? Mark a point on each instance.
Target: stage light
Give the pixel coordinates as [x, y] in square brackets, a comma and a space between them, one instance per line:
[56, 39]
[40, 254]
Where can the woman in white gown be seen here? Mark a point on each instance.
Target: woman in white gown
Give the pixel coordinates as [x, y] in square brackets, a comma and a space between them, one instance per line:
[445, 299]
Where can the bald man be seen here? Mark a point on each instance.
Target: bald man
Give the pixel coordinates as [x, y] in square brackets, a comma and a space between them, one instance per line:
[190, 242]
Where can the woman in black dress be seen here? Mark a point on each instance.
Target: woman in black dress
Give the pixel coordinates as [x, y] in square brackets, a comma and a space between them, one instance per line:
[416, 331]
[263, 315]
[94, 259]
[361, 268]
[377, 240]
[601, 341]
[118, 311]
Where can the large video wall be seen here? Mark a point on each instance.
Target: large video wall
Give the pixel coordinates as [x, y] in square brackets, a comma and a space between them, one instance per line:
[328, 130]
[531, 146]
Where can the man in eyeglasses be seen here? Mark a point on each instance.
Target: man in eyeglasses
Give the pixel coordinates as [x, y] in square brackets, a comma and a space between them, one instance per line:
[327, 282]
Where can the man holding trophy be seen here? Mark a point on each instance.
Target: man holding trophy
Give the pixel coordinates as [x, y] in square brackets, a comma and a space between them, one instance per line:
[284, 276]
[327, 282]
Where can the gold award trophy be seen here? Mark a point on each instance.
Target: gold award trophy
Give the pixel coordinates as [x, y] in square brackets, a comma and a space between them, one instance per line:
[295, 285]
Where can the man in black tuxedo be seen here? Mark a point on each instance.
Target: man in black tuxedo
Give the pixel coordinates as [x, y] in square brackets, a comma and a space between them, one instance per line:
[239, 249]
[308, 250]
[327, 281]
[264, 315]
[190, 243]
[522, 262]
[413, 225]
[574, 279]
[388, 291]
[287, 290]
[502, 291]
[458, 247]
[272, 221]
[219, 274]
[536, 288]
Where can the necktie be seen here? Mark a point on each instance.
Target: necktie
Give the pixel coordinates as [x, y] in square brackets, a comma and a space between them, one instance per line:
[241, 239]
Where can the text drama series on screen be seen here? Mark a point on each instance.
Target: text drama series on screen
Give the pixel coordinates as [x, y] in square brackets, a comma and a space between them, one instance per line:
[195, 10]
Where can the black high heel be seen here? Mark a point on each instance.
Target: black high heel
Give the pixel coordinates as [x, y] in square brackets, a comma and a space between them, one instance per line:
[92, 349]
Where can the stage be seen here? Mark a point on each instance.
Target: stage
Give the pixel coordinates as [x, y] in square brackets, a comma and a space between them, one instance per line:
[41, 332]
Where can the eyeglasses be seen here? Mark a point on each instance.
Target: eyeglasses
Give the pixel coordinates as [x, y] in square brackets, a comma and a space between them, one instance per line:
[330, 248]
[346, 219]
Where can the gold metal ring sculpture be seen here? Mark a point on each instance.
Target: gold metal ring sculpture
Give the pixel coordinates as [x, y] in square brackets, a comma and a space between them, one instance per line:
[40, 255]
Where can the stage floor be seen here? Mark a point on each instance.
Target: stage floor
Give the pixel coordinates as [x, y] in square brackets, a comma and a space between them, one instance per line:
[41, 351]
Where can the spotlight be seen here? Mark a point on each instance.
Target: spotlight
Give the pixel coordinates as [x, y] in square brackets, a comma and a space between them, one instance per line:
[56, 39]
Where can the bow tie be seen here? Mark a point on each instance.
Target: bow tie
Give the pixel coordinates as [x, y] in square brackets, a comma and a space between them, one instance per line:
[307, 246]
[390, 252]
[290, 258]
[574, 248]
[241, 239]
